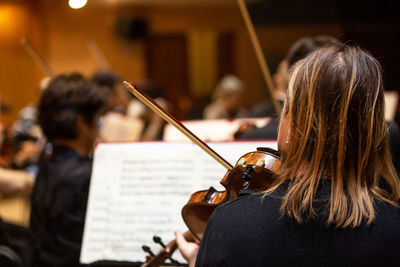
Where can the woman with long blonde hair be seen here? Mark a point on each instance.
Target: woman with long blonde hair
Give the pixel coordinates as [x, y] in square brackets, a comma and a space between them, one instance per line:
[335, 202]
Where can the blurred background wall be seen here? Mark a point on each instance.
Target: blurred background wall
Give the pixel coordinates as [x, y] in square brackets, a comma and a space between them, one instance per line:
[185, 46]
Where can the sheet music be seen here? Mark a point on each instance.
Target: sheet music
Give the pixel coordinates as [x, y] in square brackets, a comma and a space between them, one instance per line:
[117, 127]
[391, 103]
[137, 191]
[217, 130]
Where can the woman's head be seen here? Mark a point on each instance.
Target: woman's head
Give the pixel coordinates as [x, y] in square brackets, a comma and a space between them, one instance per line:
[335, 129]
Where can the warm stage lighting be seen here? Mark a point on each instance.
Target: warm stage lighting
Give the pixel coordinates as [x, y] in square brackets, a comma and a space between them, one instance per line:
[76, 4]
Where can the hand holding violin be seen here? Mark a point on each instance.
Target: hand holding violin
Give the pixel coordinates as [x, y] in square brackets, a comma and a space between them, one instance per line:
[188, 249]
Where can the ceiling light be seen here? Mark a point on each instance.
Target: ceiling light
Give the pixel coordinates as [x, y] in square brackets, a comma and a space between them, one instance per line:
[76, 4]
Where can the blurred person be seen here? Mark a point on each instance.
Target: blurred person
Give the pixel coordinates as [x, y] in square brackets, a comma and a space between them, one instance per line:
[11, 180]
[69, 110]
[110, 82]
[226, 99]
[28, 139]
[280, 80]
[153, 124]
[13, 183]
[298, 50]
[335, 200]
[26, 136]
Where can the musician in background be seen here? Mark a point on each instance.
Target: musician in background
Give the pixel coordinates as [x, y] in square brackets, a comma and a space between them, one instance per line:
[280, 80]
[299, 50]
[69, 110]
[153, 125]
[11, 181]
[226, 99]
[27, 137]
[12, 236]
[110, 82]
[335, 201]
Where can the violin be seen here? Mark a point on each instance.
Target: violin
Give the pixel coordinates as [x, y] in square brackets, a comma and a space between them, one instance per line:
[254, 171]
[155, 260]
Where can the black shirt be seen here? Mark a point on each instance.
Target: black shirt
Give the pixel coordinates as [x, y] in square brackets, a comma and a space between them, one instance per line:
[394, 138]
[250, 231]
[58, 208]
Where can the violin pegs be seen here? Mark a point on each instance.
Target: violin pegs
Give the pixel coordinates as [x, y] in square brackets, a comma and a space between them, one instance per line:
[148, 250]
[259, 165]
[158, 240]
[242, 164]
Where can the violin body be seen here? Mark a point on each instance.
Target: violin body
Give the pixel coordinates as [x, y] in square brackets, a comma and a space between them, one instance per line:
[202, 203]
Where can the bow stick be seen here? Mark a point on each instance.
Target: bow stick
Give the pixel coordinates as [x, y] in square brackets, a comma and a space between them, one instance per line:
[42, 64]
[259, 53]
[174, 122]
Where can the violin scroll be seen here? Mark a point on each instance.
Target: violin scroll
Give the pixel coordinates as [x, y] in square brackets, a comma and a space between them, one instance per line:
[155, 260]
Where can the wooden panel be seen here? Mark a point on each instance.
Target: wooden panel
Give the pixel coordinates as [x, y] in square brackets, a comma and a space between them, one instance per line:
[167, 64]
[226, 55]
[19, 75]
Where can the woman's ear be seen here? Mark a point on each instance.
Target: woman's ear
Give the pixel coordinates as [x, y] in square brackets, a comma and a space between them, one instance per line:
[283, 134]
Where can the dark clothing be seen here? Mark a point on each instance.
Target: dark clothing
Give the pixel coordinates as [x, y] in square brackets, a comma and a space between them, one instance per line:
[249, 231]
[267, 132]
[265, 109]
[394, 138]
[13, 237]
[59, 200]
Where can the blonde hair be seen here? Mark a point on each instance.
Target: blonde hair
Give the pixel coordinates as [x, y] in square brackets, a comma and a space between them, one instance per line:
[335, 111]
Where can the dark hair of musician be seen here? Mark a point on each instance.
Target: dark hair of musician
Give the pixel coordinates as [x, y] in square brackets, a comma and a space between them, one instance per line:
[335, 114]
[304, 46]
[66, 97]
[106, 78]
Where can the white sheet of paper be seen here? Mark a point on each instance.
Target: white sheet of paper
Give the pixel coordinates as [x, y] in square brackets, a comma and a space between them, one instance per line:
[391, 102]
[137, 191]
[211, 130]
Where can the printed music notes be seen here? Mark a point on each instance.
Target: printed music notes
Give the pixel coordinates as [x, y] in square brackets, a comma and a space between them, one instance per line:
[138, 190]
